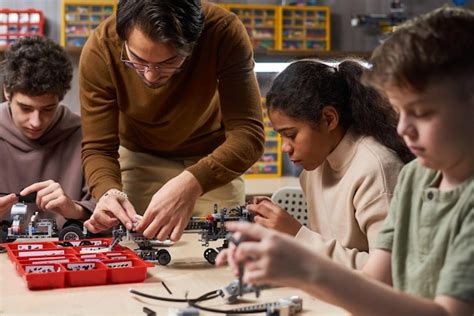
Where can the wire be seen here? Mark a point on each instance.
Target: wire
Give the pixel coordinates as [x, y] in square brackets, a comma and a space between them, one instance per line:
[205, 297]
[208, 296]
[194, 302]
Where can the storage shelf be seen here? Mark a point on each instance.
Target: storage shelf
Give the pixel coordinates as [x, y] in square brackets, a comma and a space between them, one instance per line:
[85, 16]
[265, 24]
[16, 23]
[278, 21]
[78, 35]
[269, 165]
[259, 19]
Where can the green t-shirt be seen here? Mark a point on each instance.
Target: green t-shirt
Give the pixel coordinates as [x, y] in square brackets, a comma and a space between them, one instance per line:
[430, 234]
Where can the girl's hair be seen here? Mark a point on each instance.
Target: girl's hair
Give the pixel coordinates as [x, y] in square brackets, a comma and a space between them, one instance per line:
[305, 87]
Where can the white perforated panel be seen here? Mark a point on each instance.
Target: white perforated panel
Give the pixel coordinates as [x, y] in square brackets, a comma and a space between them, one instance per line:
[292, 200]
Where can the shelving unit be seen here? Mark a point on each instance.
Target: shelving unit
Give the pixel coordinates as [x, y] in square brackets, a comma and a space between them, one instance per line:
[262, 23]
[270, 27]
[285, 28]
[269, 165]
[19, 23]
[80, 17]
[306, 28]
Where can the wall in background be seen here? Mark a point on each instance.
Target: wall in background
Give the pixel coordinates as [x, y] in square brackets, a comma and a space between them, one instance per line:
[344, 37]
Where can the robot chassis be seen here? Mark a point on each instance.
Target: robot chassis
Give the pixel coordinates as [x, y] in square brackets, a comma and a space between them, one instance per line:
[210, 228]
[37, 228]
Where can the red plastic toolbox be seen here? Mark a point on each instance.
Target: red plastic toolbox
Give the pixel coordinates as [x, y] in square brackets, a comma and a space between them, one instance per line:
[126, 271]
[16, 23]
[85, 273]
[42, 277]
[47, 265]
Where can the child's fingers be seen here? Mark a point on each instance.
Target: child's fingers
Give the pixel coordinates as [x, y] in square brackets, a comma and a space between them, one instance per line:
[35, 187]
[47, 197]
[262, 221]
[247, 230]
[222, 257]
[258, 199]
[248, 250]
[7, 201]
[264, 209]
[256, 277]
[7, 198]
[252, 265]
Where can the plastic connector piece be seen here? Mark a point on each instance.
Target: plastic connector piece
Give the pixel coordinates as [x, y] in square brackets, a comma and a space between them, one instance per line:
[18, 209]
[235, 289]
[286, 307]
[289, 306]
[149, 312]
[188, 311]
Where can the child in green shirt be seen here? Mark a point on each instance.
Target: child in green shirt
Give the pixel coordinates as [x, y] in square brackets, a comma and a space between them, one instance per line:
[424, 264]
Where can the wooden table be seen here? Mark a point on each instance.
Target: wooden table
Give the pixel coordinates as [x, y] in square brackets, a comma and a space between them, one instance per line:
[188, 271]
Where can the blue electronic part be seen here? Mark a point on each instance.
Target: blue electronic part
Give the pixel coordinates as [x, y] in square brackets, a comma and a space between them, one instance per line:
[459, 2]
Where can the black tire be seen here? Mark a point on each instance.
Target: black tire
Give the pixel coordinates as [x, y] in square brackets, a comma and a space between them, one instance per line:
[76, 222]
[164, 257]
[4, 225]
[225, 244]
[210, 255]
[3, 236]
[4, 231]
[85, 243]
[71, 232]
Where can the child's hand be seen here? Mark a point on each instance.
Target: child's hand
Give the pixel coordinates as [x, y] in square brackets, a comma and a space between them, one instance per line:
[272, 216]
[6, 203]
[227, 256]
[269, 257]
[51, 197]
[259, 198]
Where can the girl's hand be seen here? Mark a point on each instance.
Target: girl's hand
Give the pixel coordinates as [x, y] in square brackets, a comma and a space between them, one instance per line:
[272, 216]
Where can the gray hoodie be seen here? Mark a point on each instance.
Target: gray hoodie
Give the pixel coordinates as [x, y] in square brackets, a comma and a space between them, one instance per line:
[56, 155]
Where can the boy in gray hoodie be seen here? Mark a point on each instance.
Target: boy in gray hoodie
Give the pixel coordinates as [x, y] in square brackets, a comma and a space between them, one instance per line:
[40, 140]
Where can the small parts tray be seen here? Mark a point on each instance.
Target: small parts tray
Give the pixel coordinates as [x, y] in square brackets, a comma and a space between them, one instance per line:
[48, 265]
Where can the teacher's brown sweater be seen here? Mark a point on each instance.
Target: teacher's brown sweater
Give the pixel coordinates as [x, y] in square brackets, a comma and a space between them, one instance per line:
[211, 109]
